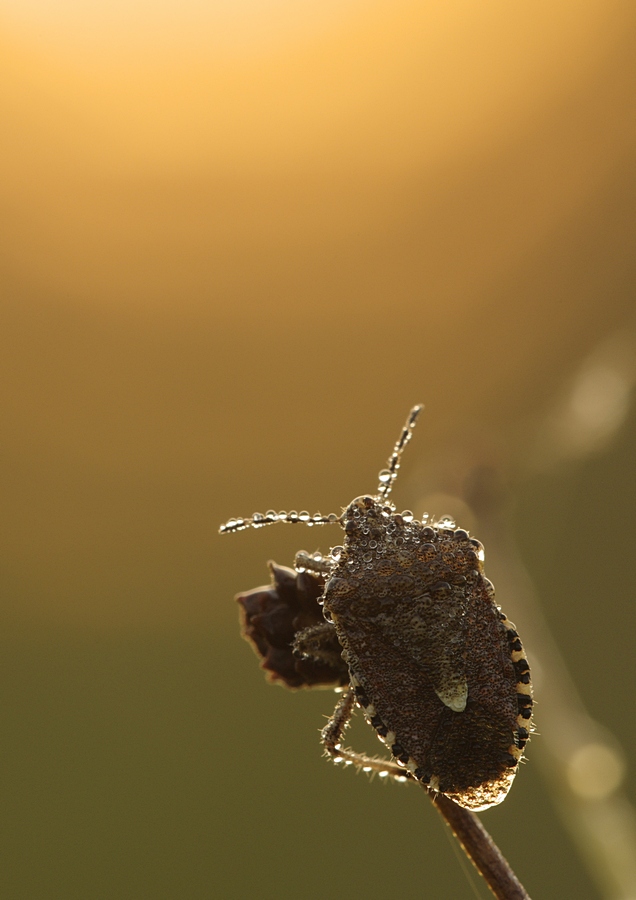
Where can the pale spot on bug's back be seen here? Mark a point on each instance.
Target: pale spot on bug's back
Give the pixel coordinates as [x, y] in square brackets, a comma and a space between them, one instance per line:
[455, 696]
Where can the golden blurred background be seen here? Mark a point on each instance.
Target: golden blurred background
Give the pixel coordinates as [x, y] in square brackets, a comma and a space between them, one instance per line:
[239, 242]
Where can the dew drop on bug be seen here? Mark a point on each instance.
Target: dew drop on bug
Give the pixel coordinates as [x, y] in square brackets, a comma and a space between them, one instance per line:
[385, 476]
[407, 515]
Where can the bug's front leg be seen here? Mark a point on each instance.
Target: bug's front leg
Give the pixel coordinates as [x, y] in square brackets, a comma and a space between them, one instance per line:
[315, 563]
[333, 732]
[320, 643]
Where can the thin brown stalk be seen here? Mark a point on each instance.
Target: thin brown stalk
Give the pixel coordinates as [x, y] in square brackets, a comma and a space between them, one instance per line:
[481, 850]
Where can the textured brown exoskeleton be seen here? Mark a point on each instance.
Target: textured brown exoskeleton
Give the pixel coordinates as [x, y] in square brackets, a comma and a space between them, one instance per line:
[409, 623]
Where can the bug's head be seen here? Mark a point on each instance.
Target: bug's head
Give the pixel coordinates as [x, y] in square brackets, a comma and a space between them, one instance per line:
[363, 515]
[360, 504]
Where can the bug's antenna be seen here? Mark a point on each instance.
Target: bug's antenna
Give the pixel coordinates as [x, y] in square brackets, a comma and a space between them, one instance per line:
[258, 520]
[388, 475]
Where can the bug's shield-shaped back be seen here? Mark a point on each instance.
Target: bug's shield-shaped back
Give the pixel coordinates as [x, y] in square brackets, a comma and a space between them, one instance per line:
[425, 641]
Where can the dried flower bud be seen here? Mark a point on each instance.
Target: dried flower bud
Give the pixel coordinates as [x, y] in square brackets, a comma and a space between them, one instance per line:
[272, 616]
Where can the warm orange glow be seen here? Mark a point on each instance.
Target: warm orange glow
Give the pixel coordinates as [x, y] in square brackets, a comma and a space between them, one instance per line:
[204, 224]
[325, 136]
[239, 240]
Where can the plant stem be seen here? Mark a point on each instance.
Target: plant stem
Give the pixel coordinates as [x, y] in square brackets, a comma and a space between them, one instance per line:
[481, 850]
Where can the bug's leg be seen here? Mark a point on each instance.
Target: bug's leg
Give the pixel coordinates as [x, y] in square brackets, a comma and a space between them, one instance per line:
[332, 735]
[319, 642]
[333, 731]
[313, 562]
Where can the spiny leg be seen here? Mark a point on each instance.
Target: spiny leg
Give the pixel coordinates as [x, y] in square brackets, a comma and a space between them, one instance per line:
[335, 728]
[315, 563]
[320, 643]
[388, 475]
[333, 732]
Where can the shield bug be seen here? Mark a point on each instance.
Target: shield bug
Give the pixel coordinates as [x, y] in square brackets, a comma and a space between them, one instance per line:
[402, 620]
